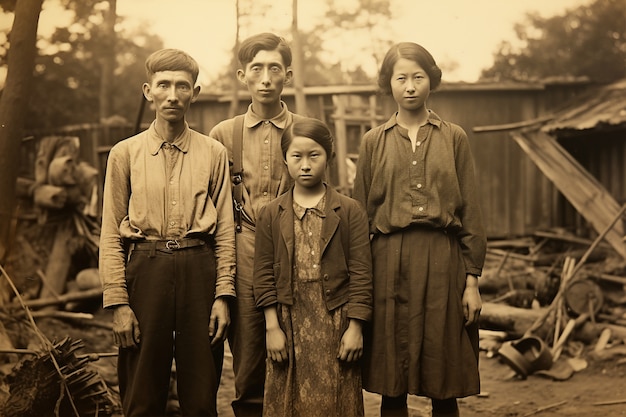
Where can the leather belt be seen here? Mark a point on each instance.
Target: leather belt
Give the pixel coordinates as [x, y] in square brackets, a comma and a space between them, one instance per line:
[172, 244]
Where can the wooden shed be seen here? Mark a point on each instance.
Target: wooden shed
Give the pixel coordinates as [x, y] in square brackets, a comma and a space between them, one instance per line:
[517, 199]
[581, 149]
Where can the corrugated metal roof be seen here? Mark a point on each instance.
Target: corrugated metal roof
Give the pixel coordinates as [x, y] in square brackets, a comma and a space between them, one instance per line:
[601, 108]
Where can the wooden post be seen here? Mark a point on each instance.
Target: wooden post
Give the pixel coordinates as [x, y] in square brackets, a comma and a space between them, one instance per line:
[341, 137]
[59, 261]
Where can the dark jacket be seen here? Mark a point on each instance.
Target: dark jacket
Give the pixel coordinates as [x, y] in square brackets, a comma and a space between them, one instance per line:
[345, 278]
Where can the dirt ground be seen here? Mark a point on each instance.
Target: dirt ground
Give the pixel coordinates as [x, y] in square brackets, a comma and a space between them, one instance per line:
[503, 393]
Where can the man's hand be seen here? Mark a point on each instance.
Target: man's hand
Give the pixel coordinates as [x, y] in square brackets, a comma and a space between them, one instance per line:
[219, 321]
[126, 332]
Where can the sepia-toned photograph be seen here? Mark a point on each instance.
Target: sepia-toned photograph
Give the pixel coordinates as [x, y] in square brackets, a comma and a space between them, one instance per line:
[312, 208]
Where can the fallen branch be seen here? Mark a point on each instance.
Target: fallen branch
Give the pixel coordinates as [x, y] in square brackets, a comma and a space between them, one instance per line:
[59, 315]
[544, 408]
[610, 402]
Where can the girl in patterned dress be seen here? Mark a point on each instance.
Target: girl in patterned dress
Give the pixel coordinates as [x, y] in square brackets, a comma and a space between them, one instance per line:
[415, 177]
[313, 281]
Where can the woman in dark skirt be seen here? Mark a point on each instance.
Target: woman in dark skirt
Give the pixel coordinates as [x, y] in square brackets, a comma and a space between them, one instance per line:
[415, 177]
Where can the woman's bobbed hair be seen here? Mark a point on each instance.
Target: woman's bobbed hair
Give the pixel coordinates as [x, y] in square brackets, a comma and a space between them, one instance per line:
[413, 52]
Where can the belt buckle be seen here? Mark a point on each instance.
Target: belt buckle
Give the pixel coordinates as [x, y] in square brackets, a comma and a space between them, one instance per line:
[172, 244]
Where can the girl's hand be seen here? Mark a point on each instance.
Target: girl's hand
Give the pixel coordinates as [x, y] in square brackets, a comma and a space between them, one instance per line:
[472, 304]
[276, 343]
[351, 347]
[275, 339]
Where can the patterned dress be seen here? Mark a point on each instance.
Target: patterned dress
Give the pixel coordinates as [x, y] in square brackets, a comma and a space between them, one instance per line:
[313, 382]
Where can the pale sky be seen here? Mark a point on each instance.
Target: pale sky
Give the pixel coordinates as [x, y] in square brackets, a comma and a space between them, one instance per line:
[461, 31]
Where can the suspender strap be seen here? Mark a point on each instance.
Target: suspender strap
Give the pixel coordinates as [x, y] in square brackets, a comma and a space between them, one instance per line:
[237, 173]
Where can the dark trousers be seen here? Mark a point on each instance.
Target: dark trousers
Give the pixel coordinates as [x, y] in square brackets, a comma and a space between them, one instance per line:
[247, 335]
[171, 293]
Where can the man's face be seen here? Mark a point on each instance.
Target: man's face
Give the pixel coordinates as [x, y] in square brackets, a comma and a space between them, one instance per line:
[265, 76]
[171, 92]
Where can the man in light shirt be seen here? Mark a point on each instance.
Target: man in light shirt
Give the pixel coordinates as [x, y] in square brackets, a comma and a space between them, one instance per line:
[167, 256]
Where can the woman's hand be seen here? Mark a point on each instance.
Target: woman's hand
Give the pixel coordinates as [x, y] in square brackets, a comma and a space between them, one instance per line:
[472, 304]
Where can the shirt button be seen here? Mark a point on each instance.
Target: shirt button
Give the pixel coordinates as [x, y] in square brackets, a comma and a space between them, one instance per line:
[414, 162]
[418, 143]
[314, 265]
[171, 182]
[421, 209]
[325, 277]
[267, 141]
[312, 252]
[173, 203]
[310, 233]
[419, 185]
[172, 223]
[265, 193]
[266, 122]
[266, 167]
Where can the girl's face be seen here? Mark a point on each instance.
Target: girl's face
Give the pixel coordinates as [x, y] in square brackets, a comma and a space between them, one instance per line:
[306, 161]
[410, 85]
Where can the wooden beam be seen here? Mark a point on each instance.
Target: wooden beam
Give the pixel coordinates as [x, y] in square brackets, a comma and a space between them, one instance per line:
[341, 138]
[581, 189]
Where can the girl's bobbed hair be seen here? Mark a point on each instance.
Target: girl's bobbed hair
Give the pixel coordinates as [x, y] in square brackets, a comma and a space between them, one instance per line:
[309, 128]
[413, 52]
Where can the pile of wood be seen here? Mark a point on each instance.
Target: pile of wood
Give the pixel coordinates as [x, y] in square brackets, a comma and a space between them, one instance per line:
[569, 291]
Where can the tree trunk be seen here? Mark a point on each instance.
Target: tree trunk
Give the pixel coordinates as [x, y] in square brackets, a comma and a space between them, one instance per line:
[298, 64]
[108, 62]
[234, 65]
[13, 105]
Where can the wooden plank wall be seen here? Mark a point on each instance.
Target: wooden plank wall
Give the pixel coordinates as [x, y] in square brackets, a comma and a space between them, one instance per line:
[517, 199]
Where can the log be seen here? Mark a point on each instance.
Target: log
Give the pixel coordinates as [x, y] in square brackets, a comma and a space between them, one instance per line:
[516, 321]
[62, 299]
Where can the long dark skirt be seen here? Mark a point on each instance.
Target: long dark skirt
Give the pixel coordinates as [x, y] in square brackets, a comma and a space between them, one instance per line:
[419, 343]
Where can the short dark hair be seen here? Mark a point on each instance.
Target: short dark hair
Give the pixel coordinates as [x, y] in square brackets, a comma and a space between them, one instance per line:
[414, 52]
[263, 42]
[309, 128]
[171, 60]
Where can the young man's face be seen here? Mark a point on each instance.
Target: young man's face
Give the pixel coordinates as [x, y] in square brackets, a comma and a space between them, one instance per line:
[171, 92]
[265, 76]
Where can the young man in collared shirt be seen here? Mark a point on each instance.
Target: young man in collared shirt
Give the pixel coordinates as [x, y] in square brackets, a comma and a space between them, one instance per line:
[167, 258]
[265, 69]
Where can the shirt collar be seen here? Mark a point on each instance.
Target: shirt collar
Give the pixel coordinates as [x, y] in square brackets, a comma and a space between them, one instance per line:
[433, 119]
[280, 120]
[156, 141]
[300, 211]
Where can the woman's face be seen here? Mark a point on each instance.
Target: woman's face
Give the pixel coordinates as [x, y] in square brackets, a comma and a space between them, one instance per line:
[410, 85]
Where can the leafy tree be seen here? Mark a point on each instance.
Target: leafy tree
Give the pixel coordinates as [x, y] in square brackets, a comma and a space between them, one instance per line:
[366, 27]
[588, 41]
[68, 69]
